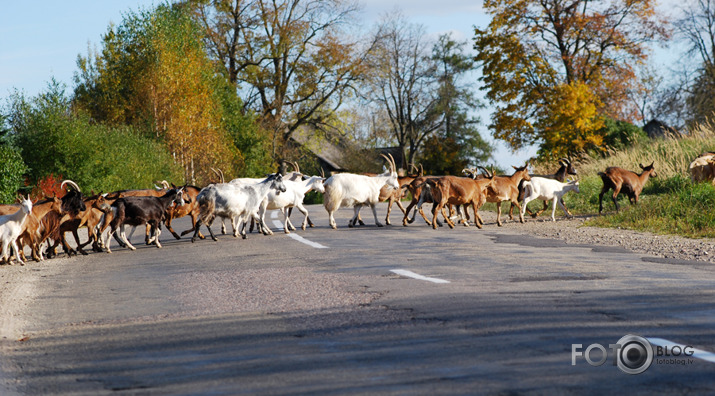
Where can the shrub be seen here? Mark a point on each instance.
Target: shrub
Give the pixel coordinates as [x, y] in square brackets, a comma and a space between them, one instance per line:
[12, 169]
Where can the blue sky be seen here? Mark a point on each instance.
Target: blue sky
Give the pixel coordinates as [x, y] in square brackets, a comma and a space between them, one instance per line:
[42, 39]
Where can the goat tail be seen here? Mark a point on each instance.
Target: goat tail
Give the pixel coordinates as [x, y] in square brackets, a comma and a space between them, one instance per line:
[528, 188]
[207, 206]
[332, 197]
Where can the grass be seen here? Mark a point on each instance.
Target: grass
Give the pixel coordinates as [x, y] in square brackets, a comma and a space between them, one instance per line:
[669, 204]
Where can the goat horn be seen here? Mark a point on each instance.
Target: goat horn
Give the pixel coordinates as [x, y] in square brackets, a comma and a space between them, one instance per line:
[165, 184]
[295, 166]
[386, 159]
[322, 172]
[486, 171]
[71, 183]
[422, 170]
[394, 165]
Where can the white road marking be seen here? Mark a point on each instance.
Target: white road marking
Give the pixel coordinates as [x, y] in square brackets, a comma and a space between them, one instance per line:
[279, 226]
[697, 353]
[411, 274]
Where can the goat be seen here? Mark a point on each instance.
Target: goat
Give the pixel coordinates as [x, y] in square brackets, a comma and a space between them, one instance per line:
[622, 180]
[703, 168]
[96, 207]
[420, 195]
[566, 168]
[234, 201]
[349, 189]
[33, 229]
[292, 197]
[458, 191]
[506, 188]
[142, 210]
[394, 196]
[10, 229]
[547, 189]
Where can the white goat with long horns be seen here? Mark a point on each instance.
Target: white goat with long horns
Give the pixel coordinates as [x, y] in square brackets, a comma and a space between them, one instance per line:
[349, 189]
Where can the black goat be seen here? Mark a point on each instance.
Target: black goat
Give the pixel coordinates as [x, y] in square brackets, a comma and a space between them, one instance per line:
[136, 211]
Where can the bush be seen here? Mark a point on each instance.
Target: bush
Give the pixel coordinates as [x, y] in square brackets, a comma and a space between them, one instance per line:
[12, 169]
[54, 140]
[618, 135]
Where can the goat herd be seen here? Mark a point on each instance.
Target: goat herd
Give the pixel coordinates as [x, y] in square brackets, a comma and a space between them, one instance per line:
[32, 225]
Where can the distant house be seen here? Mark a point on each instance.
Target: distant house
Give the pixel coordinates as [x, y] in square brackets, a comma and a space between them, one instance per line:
[656, 129]
[337, 153]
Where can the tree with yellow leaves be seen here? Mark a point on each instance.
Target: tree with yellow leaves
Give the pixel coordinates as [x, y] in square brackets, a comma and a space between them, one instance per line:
[552, 68]
[154, 72]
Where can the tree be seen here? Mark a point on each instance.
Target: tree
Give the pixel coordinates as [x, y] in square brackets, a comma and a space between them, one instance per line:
[535, 54]
[697, 28]
[154, 73]
[457, 141]
[403, 84]
[290, 59]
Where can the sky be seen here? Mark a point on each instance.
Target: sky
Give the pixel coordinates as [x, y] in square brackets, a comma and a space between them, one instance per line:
[41, 40]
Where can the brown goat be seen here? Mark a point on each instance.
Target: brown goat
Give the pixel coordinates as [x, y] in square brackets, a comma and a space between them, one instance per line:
[622, 180]
[506, 188]
[33, 232]
[458, 191]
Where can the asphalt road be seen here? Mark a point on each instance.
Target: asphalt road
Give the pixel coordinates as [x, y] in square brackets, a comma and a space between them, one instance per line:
[497, 313]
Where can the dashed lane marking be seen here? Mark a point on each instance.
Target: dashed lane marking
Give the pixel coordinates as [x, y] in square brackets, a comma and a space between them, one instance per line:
[279, 226]
[411, 274]
[697, 353]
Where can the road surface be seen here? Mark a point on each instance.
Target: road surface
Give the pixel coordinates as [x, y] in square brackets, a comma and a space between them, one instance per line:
[367, 310]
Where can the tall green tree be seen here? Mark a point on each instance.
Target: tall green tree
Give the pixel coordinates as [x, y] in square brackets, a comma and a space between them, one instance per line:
[457, 142]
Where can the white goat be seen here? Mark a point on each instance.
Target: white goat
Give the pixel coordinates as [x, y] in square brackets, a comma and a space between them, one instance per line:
[545, 190]
[234, 201]
[292, 197]
[11, 226]
[348, 189]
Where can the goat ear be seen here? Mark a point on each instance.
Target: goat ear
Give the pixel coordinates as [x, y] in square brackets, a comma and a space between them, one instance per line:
[641, 165]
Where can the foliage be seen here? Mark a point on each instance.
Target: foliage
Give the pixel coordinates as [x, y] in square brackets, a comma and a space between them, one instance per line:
[547, 64]
[252, 142]
[457, 142]
[55, 140]
[292, 58]
[618, 135]
[680, 207]
[12, 169]
[49, 186]
[669, 202]
[154, 73]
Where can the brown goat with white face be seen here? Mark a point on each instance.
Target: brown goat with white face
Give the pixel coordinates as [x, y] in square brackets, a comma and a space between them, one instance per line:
[622, 180]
